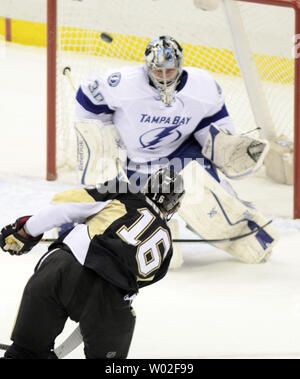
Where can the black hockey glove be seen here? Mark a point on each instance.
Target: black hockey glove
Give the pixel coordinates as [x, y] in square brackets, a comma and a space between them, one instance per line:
[13, 242]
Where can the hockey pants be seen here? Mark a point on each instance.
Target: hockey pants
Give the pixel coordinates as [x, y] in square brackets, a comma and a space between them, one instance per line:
[60, 288]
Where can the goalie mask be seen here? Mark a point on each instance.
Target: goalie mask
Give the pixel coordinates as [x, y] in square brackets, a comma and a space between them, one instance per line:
[165, 188]
[164, 57]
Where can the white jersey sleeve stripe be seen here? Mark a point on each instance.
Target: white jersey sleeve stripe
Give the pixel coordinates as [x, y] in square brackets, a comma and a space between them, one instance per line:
[222, 113]
[87, 104]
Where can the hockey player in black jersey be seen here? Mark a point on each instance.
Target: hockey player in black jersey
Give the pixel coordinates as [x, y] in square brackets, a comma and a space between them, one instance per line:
[120, 244]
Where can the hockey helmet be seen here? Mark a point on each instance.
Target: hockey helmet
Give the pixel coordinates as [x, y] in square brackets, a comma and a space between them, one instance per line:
[164, 53]
[165, 188]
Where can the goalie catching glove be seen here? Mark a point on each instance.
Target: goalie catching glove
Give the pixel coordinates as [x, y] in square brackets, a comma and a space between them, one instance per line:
[12, 241]
[236, 156]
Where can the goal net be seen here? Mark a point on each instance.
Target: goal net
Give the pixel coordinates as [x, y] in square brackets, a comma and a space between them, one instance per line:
[207, 41]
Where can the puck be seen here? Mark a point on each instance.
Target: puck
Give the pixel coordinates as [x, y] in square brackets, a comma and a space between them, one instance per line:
[106, 37]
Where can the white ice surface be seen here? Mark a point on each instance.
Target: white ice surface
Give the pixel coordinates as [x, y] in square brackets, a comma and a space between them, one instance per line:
[212, 307]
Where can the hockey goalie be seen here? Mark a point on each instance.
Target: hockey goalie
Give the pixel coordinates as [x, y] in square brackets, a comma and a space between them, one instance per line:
[163, 114]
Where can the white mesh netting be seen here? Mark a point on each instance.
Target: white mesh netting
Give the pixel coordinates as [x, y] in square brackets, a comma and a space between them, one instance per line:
[207, 43]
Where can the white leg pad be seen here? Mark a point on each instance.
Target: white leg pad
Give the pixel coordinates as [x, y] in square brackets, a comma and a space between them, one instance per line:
[213, 213]
[98, 147]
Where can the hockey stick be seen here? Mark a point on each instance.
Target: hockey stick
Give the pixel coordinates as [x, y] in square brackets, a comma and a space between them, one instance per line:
[228, 239]
[67, 73]
[66, 347]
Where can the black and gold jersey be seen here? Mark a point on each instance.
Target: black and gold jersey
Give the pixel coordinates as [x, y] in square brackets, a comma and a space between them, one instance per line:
[121, 234]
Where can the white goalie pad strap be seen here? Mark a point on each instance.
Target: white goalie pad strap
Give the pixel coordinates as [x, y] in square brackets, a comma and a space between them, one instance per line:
[234, 155]
[216, 214]
[98, 148]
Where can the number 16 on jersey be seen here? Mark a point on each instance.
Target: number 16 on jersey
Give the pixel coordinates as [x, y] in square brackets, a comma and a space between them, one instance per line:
[149, 256]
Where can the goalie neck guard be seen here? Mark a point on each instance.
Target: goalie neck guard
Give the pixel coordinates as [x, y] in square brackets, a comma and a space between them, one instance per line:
[165, 188]
[164, 53]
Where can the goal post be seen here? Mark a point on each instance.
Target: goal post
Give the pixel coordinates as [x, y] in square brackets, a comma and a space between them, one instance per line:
[73, 32]
[51, 88]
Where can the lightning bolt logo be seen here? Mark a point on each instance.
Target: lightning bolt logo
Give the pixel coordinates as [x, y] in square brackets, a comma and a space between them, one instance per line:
[151, 139]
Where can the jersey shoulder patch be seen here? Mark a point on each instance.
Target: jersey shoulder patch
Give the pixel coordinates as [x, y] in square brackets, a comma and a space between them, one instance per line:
[114, 79]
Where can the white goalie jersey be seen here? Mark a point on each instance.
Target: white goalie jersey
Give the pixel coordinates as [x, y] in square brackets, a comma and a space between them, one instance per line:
[149, 129]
